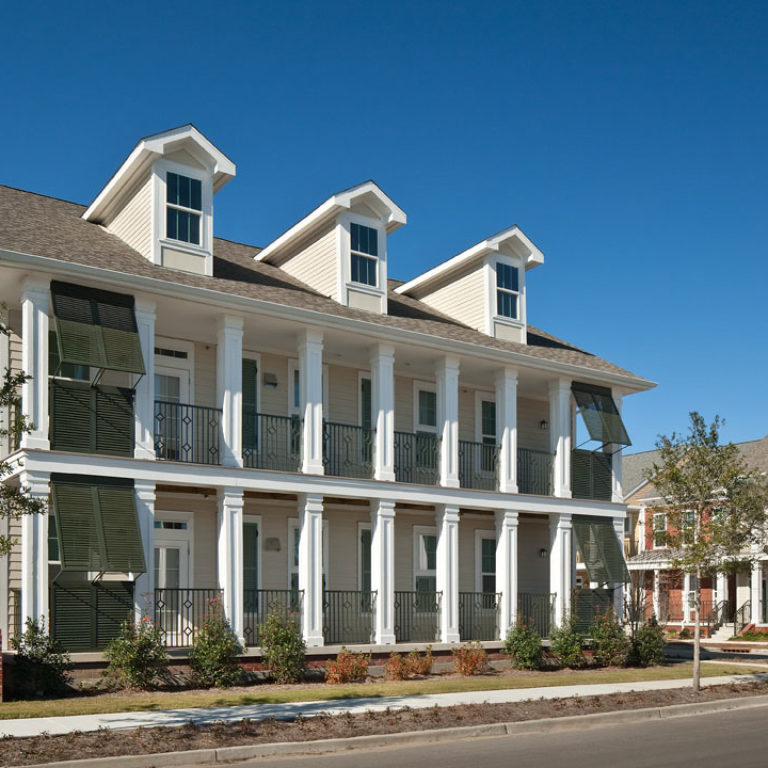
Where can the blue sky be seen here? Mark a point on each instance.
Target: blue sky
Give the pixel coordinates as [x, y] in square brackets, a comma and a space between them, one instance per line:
[628, 140]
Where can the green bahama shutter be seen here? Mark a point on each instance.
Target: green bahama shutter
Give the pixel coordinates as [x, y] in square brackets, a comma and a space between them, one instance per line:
[120, 524]
[600, 550]
[114, 421]
[600, 414]
[78, 524]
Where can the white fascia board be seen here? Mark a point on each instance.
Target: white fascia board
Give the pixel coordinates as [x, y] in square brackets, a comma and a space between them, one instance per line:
[374, 331]
[532, 257]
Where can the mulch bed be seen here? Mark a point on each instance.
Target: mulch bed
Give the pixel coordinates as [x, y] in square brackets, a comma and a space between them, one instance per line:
[104, 743]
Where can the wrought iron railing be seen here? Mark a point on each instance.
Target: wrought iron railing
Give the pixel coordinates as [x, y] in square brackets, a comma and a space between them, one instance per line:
[14, 616]
[588, 604]
[478, 616]
[417, 617]
[271, 442]
[742, 617]
[534, 471]
[348, 616]
[179, 613]
[537, 611]
[347, 450]
[417, 458]
[478, 465]
[260, 604]
[188, 433]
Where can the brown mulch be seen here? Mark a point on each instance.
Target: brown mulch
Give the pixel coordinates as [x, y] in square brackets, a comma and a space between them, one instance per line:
[105, 743]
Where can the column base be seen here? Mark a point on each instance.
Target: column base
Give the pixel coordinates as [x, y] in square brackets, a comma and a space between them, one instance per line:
[450, 482]
[508, 488]
[313, 468]
[385, 639]
[34, 443]
[387, 476]
[450, 637]
[314, 641]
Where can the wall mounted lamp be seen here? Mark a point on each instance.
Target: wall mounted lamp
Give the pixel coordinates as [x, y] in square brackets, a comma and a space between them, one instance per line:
[544, 425]
[543, 553]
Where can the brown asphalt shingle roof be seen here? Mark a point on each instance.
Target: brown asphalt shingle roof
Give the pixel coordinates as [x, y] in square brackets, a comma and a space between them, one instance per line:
[45, 226]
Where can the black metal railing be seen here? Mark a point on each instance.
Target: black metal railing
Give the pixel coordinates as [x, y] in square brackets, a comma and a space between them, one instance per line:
[179, 613]
[348, 616]
[478, 464]
[188, 433]
[417, 458]
[14, 615]
[260, 604]
[271, 442]
[417, 617]
[534, 471]
[537, 610]
[591, 474]
[347, 450]
[478, 616]
[588, 604]
[742, 617]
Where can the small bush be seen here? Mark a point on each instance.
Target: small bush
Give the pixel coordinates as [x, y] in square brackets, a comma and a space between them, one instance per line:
[283, 648]
[566, 645]
[41, 666]
[401, 667]
[685, 634]
[213, 657]
[470, 659]
[610, 645]
[137, 656]
[523, 645]
[648, 646]
[348, 667]
[751, 637]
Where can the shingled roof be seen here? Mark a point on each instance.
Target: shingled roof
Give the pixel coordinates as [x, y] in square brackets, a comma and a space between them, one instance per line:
[44, 226]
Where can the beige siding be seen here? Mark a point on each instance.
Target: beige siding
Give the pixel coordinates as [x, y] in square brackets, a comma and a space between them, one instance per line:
[274, 400]
[403, 404]
[205, 374]
[530, 414]
[533, 570]
[344, 546]
[14, 558]
[133, 223]
[467, 551]
[343, 396]
[462, 299]
[404, 525]
[14, 347]
[314, 262]
[274, 541]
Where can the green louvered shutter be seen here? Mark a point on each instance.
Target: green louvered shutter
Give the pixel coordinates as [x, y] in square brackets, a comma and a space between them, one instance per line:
[250, 406]
[600, 414]
[114, 425]
[114, 605]
[581, 474]
[72, 416]
[601, 476]
[600, 550]
[122, 536]
[78, 523]
[121, 339]
[72, 611]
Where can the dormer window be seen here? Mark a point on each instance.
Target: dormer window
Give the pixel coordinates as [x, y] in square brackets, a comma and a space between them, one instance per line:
[184, 207]
[364, 253]
[507, 291]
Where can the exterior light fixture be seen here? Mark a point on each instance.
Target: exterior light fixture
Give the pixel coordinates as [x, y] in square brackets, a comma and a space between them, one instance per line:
[543, 425]
[543, 553]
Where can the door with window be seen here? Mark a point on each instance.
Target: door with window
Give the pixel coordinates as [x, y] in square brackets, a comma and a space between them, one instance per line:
[174, 423]
[174, 601]
[488, 440]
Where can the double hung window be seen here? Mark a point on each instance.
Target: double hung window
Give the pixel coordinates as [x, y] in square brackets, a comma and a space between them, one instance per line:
[184, 207]
[659, 530]
[364, 248]
[507, 291]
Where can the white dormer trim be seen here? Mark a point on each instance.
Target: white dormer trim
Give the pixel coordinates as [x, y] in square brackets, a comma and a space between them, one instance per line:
[492, 316]
[357, 294]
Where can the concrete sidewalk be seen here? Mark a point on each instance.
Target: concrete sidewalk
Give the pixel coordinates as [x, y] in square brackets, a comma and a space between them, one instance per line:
[206, 715]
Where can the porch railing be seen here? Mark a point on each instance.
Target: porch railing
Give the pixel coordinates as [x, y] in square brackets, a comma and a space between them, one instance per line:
[417, 458]
[188, 433]
[478, 616]
[271, 442]
[347, 450]
[180, 613]
[348, 616]
[259, 604]
[534, 471]
[537, 610]
[742, 617]
[478, 465]
[417, 617]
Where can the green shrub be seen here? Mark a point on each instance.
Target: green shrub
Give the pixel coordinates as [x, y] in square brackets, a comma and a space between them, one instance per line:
[137, 656]
[610, 644]
[750, 636]
[470, 659]
[348, 667]
[41, 666]
[523, 645]
[213, 657]
[283, 648]
[648, 646]
[566, 645]
[685, 634]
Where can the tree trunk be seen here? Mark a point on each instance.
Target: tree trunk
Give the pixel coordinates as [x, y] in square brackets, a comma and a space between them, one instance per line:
[697, 634]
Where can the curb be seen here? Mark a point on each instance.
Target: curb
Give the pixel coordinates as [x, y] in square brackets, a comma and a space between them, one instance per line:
[328, 746]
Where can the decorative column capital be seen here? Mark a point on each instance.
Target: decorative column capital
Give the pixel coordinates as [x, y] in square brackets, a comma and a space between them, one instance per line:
[382, 351]
[38, 290]
[229, 324]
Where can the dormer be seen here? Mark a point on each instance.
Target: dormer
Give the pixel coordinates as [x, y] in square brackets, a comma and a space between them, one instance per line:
[483, 287]
[340, 248]
[160, 200]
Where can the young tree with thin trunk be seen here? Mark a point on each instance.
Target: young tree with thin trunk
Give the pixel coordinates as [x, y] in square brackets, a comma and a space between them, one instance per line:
[715, 507]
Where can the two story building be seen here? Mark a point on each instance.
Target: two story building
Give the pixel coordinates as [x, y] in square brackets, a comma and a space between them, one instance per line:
[287, 428]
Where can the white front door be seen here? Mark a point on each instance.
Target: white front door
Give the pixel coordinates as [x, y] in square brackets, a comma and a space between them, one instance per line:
[175, 604]
[173, 427]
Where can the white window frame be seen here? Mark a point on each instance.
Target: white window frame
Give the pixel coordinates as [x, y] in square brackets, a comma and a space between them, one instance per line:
[424, 386]
[480, 536]
[653, 523]
[248, 518]
[418, 562]
[171, 537]
[360, 528]
[293, 529]
[480, 398]
[375, 258]
[175, 364]
[344, 249]
[491, 301]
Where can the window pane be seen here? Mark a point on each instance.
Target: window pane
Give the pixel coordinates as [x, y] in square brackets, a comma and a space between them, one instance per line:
[365, 560]
[53, 539]
[429, 544]
[171, 224]
[506, 304]
[296, 395]
[363, 270]
[196, 194]
[426, 584]
[194, 229]
[184, 196]
[488, 556]
[489, 583]
[365, 404]
[364, 239]
[488, 419]
[296, 547]
[250, 556]
[427, 409]
[172, 188]
[506, 277]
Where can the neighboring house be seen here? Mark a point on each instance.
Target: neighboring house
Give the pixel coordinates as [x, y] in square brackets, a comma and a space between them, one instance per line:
[741, 596]
[288, 429]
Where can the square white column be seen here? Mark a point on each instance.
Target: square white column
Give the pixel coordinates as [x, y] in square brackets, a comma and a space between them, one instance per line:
[560, 564]
[383, 404]
[5, 422]
[506, 568]
[722, 587]
[35, 300]
[144, 409]
[448, 420]
[311, 567]
[230, 556]
[311, 401]
[687, 611]
[144, 586]
[229, 388]
[560, 429]
[754, 589]
[657, 594]
[506, 428]
[617, 494]
[383, 569]
[447, 571]
[618, 594]
[34, 551]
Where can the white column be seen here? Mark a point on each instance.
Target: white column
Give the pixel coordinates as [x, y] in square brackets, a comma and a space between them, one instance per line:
[686, 605]
[618, 602]
[506, 428]
[506, 568]
[230, 556]
[383, 569]
[447, 571]
[144, 586]
[144, 411]
[617, 494]
[34, 551]
[560, 434]
[448, 420]
[229, 388]
[560, 564]
[722, 587]
[311, 401]
[5, 422]
[754, 589]
[311, 567]
[383, 403]
[34, 362]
